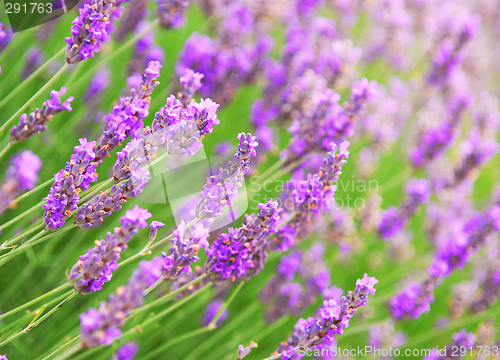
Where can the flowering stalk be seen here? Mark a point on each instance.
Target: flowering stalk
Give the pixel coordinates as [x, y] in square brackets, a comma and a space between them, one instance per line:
[171, 12]
[309, 197]
[80, 171]
[331, 320]
[175, 129]
[90, 28]
[220, 189]
[36, 122]
[96, 266]
[453, 254]
[241, 252]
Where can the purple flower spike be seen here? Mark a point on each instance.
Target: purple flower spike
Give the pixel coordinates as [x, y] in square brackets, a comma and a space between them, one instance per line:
[183, 250]
[124, 121]
[242, 252]
[96, 267]
[220, 189]
[171, 12]
[91, 28]
[211, 310]
[21, 175]
[309, 197]
[36, 122]
[331, 320]
[103, 325]
[243, 351]
[126, 352]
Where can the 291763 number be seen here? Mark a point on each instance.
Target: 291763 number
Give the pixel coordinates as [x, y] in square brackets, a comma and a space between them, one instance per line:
[28, 8]
[477, 350]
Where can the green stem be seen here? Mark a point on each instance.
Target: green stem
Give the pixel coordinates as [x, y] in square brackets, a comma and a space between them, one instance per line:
[31, 326]
[212, 324]
[34, 301]
[39, 187]
[7, 244]
[5, 149]
[64, 346]
[20, 216]
[19, 87]
[34, 97]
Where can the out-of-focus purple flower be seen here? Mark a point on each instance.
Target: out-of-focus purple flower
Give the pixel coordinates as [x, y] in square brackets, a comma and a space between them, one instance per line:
[3, 357]
[36, 122]
[171, 12]
[90, 28]
[96, 266]
[331, 320]
[126, 352]
[21, 175]
[450, 52]
[242, 252]
[220, 189]
[393, 220]
[124, 120]
[134, 13]
[211, 310]
[98, 84]
[34, 59]
[413, 301]
[5, 37]
[103, 325]
[145, 50]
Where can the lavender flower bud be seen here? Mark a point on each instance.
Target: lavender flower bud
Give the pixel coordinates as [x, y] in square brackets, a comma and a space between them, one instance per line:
[96, 267]
[35, 122]
[220, 189]
[34, 59]
[211, 310]
[90, 28]
[243, 351]
[135, 12]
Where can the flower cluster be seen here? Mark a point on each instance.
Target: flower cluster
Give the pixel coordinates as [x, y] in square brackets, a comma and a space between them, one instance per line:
[36, 122]
[21, 175]
[309, 197]
[96, 266]
[241, 252]
[102, 325]
[220, 189]
[331, 320]
[171, 12]
[124, 120]
[90, 28]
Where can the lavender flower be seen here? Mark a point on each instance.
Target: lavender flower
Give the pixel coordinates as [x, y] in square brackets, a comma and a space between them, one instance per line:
[183, 250]
[154, 226]
[96, 266]
[451, 255]
[5, 37]
[331, 320]
[103, 325]
[461, 340]
[171, 12]
[310, 196]
[126, 352]
[98, 84]
[3, 357]
[242, 252]
[21, 175]
[124, 120]
[220, 189]
[393, 220]
[91, 28]
[36, 122]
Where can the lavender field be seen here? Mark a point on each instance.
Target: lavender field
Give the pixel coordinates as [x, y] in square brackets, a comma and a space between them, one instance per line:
[251, 179]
